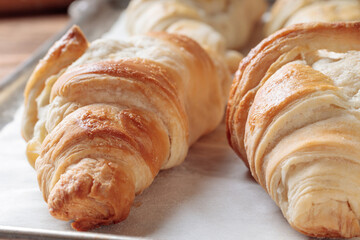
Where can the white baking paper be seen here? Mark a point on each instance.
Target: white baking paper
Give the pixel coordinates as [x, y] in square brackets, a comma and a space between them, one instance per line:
[210, 196]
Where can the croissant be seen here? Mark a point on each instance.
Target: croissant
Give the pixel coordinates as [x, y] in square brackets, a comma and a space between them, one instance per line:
[293, 116]
[287, 12]
[102, 119]
[210, 23]
[219, 14]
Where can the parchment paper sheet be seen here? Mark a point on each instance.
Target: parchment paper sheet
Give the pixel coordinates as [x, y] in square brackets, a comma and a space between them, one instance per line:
[210, 196]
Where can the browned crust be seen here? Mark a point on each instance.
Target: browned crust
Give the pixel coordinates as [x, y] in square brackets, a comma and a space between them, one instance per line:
[98, 189]
[83, 196]
[103, 152]
[142, 70]
[63, 53]
[145, 71]
[130, 126]
[136, 132]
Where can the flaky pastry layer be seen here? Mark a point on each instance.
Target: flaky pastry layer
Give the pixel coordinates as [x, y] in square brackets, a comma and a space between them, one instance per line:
[103, 120]
[293, 116]
[288, 12]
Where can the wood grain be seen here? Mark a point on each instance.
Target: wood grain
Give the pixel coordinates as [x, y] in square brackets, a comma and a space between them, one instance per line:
[21, 36]
[21, 6]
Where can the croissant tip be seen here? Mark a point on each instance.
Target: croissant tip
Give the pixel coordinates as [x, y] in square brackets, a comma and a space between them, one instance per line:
[83, 226]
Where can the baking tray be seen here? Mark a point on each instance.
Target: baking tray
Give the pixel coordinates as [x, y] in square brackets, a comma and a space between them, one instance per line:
[210, 196]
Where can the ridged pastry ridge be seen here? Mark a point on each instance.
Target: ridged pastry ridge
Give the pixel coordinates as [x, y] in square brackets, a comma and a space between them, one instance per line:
[107, 122]
[292, 117]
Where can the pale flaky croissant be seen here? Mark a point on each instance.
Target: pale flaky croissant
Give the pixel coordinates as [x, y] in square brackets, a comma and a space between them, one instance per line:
[287, 12]
[293, 117]
[102, 119]
[217, 25]
[233, 19]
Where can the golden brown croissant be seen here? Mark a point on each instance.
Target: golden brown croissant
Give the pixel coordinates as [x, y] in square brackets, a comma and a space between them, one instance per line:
[287, 12]
[102, 120]
[217, 25]
[293, 118]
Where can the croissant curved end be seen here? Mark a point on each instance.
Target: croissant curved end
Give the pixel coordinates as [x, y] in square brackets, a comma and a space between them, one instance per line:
[92, 193]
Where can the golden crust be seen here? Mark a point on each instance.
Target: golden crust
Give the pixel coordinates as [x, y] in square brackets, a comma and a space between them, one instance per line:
[289, 117]
[143, 70]
[96, 187]
[64, 52]
[116, 116]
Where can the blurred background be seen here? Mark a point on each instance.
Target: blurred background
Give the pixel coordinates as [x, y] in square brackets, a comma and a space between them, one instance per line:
[25, 25]
[15, 7]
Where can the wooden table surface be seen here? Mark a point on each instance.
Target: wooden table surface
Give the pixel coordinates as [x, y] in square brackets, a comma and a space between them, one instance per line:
[20, 36]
